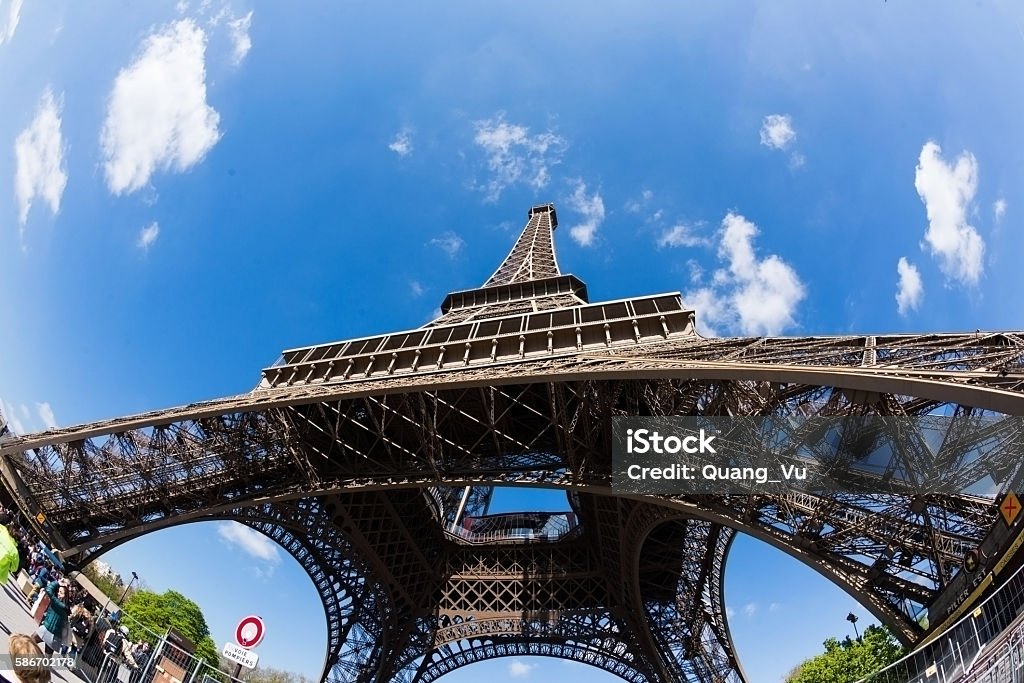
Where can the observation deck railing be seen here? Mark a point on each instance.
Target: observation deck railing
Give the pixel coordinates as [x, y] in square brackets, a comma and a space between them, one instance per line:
[501, 529]
[985, 646]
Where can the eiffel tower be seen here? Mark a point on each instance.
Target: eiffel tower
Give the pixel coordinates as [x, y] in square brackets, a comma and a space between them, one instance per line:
[372, 461]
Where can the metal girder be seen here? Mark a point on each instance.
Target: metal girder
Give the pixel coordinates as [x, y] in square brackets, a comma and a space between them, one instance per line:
[363, 458]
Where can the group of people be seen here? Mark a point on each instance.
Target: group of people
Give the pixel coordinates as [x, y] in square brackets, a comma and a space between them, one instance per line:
[70, 619]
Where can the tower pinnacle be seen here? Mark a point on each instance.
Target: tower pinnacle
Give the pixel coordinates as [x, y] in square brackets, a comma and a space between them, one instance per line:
[533, 255]
[527, 280]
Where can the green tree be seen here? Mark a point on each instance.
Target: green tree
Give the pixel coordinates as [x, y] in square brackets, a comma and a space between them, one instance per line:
[157, 612]
[263, 674]
[103, 582]
[112, 589]
[850, 660]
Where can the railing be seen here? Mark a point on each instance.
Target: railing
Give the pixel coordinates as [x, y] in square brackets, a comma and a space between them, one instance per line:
[168, 661]
[514, 337]
[1006, 664]
[557, 527]
[985, 645]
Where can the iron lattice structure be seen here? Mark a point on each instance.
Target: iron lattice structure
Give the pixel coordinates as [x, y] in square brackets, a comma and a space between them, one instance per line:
[372, 461]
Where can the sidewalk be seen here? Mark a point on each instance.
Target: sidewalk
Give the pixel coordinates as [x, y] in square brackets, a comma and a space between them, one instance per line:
[14, 618]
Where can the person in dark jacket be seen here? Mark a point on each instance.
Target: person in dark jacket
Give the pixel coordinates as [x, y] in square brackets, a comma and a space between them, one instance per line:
[51, 630]
[81, 622]
[42, 578]
[140, 653]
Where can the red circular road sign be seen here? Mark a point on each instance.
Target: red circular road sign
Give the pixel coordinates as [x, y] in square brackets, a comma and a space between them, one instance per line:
[250, 631]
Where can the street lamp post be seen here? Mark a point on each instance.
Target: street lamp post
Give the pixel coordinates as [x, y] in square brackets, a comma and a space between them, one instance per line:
[123, 595]
[135, 578]
[852, 618]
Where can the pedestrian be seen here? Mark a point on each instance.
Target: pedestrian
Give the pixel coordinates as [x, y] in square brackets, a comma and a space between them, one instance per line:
[9, 559]
[21, 645]
[119, 651]
[81, 626]
[42, 578]
[51, 630]
[140, 653]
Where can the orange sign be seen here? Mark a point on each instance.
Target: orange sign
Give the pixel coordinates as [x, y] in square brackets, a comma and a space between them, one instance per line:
[1010, 507]
[40, 518]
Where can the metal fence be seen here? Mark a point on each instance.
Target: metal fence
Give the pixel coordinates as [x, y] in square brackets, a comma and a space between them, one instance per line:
[985, 645]
[169, 660]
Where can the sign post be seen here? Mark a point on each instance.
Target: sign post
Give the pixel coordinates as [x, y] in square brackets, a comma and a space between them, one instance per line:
[250, 631]
[248, 634]
[240, 656]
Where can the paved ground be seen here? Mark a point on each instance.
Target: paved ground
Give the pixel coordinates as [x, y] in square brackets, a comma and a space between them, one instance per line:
[14, 618]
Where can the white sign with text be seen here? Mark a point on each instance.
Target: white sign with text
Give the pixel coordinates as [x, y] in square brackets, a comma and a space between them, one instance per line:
[246, 658]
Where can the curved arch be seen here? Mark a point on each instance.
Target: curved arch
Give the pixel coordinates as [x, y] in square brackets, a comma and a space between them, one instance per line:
[688, 641]
[601, 659]
[850, 575]
[536, 433]
[842, 571]
[340, 582]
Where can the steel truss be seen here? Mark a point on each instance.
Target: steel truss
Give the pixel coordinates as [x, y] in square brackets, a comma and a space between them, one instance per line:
[362, 458]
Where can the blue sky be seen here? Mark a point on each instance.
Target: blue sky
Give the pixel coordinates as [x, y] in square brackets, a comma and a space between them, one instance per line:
[192, 187]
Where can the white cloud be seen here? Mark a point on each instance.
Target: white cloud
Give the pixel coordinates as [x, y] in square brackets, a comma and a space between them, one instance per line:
[592, 209]
[241, 43]
[249, 541]
[777, 131]
[449, 243]
[797, 160]
[750, 609]
[46, 415]
[518, 669]
[696, 271]
[947, 192]
[23, 419]
[909, 289]
[13, 421]
[680, 236]
[147, 236]
[636, 205]
[157, 114]
[415, 288]
[39, 158]
[729, 612]
[999, 209]
[515, 156]
[752, 295]
[402, 144]
[9, 22]
[711, 308]
[774, 607]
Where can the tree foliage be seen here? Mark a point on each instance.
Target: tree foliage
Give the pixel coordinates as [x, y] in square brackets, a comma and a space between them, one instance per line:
[104, 582]
[263, 674]
[270, 675]
[850, 660]
[156, 612]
